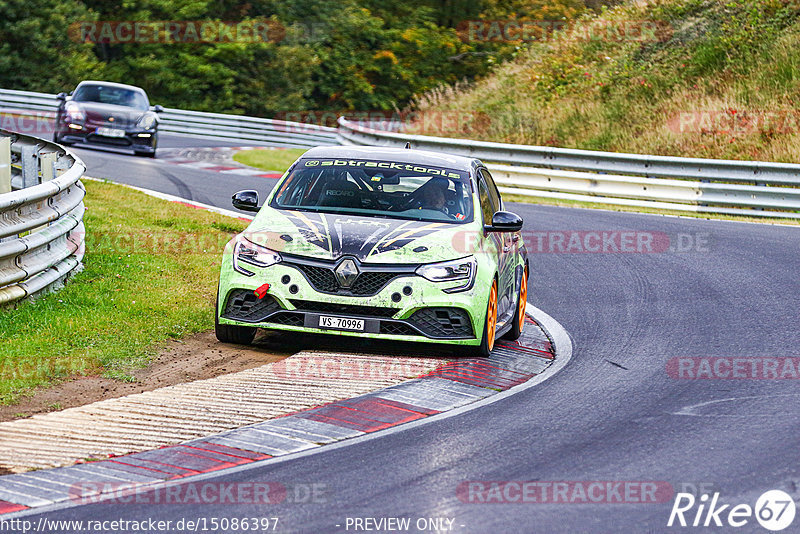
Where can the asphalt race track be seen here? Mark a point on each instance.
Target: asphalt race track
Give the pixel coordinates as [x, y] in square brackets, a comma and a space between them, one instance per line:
[613, 414]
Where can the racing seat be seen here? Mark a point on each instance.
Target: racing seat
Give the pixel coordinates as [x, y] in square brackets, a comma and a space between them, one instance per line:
[341, 194]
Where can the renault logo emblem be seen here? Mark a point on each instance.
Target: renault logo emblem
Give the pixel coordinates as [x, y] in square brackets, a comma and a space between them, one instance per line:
[346, 273]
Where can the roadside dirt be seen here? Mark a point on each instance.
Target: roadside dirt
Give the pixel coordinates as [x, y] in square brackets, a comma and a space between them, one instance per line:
[193, 358]
[202, 356]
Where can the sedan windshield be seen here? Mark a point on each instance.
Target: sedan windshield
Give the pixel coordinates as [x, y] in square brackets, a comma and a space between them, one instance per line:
[109, 94]
[377, 189]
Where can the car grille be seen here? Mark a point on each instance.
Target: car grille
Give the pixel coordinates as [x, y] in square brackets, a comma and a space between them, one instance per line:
[244, 305]
[392, 328]
[321, 278]
[368, 283]
[443, 322]
[115, 141]
[349, 309]
[287, 319]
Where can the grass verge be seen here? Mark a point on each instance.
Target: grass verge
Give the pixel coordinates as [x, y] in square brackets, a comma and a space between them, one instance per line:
[151, 272]
[269, 159]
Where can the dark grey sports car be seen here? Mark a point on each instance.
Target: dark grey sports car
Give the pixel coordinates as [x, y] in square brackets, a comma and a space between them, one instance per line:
[109, 114]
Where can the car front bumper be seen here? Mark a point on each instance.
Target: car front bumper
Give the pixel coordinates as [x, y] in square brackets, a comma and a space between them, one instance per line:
[407, 308]
[135, 139]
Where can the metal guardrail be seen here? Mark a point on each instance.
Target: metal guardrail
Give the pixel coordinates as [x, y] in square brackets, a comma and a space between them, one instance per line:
[41, 215]
[270, 132]
[759, 189]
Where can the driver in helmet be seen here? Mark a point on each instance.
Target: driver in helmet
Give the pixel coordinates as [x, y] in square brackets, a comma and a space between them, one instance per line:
[435, 195]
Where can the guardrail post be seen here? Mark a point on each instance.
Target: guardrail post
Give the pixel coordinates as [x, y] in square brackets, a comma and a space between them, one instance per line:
[30, 166]
[48, 164]
[5, 165]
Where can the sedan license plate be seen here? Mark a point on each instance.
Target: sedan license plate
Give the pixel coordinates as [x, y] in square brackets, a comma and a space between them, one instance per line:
[341, 323]
[110, 132]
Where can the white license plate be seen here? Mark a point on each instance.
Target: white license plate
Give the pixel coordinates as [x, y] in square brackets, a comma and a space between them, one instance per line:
[341, 323]
[110, 132]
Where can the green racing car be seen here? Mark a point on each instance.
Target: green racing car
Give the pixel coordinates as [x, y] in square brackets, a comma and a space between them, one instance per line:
[376, 242]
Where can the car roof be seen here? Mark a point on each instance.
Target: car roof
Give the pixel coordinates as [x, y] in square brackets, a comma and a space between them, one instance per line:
[112, 84]
[422, 157]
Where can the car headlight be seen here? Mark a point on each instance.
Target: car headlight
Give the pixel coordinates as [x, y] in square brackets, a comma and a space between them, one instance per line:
[451, 271]
[74, 113]
[147, 121]
[245, 251]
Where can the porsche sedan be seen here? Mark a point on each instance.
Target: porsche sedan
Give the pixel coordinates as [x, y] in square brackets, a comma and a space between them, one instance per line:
[108, 114]
[384, 243]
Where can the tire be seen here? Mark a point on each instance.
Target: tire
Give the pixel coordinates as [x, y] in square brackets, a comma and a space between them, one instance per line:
[57, 140]
[149, 154]
[226, 333]
[484, 350]
[518, 322]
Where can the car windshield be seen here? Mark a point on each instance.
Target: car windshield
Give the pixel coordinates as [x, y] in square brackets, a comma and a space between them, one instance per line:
[109, 94]
[377, 189]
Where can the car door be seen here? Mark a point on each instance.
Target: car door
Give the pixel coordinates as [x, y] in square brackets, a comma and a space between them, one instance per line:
[506, 286]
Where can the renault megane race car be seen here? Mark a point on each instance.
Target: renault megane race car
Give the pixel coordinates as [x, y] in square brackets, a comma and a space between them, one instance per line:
[110, 114]
[380, 243]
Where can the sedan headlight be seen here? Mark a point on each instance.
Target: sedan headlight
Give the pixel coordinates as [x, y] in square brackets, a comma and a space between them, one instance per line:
[245, 251]
[147, 121]
[74, 113]
[451, 271]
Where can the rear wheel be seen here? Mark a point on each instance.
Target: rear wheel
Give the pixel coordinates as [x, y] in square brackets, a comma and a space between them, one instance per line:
[228, 333]
[489, 325]
[518, 323]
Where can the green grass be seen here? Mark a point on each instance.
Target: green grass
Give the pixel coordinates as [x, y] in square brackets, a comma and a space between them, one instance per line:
[151, 272]
[722, 81]
[269, 160]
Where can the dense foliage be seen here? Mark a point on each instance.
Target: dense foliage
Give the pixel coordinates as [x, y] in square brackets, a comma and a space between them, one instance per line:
[343, 55]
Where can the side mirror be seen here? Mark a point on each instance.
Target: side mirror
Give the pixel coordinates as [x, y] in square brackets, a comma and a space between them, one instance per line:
[61, 96]
[505, 221]
[246, 200]
[158, 109]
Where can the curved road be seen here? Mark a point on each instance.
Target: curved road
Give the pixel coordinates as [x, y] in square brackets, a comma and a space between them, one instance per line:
[613, 414]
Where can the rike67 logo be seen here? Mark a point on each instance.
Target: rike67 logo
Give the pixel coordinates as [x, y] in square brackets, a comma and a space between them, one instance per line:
[774, 510]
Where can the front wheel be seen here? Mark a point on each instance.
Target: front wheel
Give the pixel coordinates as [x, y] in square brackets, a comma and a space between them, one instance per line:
[484, 350]
[228, 333]
[57, 140]
[518, 323]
